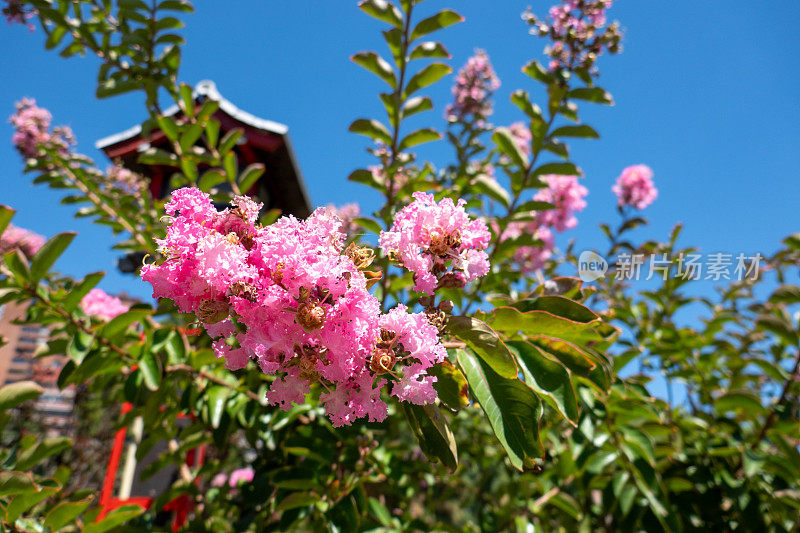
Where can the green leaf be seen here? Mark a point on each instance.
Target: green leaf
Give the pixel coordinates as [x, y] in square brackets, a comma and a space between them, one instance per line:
[229, 140]
[65, 512]
[212, 131]
[210, 179]
[187, 99]
[639, 444]
[582, 130]
[250, 175]
[42, 450]
[439, 21]
[739, 400]
[177, 5]
[535, 70]
[547, 378]
[365, 177]
[120, 323]
[295, 500]
[169, 127]
[427, 76]
[150, 370]
[81, 289]
[429, 49]
[6, 214]
[17, 393]
[115, 518]
[17, 263]
[416, 105]
[23, 502]
[433, 433]
[372, 129]
[491, 187]
[231, 166]
[779, 326]
[383, 11]
[368, 224]
[485, 342]
[54, 39]
[14, 483]
[217, 396]
[49, 253]
[561, 169]
[157, 156]
[377, 65]
[566, 503]
[786, 294]
[522, 100]
[510, 320]
[190, 137]
[451, 385]
[559, 306]
[506, 144]
[511, 406]
[591, 94]
[420, 136]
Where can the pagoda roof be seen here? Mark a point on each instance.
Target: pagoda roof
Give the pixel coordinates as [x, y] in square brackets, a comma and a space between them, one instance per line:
[204, 89]
[262, 135]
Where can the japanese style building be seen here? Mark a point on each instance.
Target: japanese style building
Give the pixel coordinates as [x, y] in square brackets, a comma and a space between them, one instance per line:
[264, 141]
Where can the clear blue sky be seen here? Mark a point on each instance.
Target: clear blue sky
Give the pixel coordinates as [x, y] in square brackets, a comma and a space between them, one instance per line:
[706, 94]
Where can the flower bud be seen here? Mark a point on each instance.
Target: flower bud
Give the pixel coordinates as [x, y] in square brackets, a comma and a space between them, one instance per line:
[446, 306]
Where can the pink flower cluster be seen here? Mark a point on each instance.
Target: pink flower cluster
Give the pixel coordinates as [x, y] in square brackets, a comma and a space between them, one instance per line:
[347, 214]
[121, 178]
[32, 125]
[244, 475]
[635, 187]
[102, 305]
[14, 237]
[400, 177]
[17, 13]
[428, 237]
[474, 85]
[291, 297]
[522, 136]
[567, 196]
[575, 28]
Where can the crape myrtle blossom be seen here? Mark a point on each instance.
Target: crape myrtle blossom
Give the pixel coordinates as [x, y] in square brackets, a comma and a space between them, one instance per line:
[576, 30]
[17, 13]
[32, 129]
[347, 213]
[522, 137]
[567, 197]
[531, 257]
[102, 305]
[119, 177]
[427, 237]
[474, 85]
[242, 475]
[27, 241]
[300, 304]
[635, 187]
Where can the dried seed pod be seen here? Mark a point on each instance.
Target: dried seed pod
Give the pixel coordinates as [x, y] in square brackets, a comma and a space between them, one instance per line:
[310, 315]
[212, 311]
[382, 361]
[362, 257]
